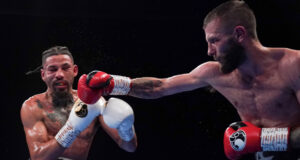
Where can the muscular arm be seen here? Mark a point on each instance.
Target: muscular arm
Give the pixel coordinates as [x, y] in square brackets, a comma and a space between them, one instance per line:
[294, 77]
[129, 146]
[151, 88]
[39, 144]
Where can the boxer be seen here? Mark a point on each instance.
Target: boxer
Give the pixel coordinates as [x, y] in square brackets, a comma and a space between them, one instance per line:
[262, 83]
[58, 125]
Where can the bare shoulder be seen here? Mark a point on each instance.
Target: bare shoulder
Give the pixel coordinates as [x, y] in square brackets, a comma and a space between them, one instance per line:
[30, 110]
[290, 57]
[285, 57]
[292, 51]
[293, 54]
[208, 70]
[288, 64]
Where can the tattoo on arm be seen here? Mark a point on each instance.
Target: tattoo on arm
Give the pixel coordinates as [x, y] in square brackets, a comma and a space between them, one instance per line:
[145, 87]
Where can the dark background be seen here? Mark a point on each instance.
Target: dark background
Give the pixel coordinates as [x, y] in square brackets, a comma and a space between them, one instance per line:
[135, 38]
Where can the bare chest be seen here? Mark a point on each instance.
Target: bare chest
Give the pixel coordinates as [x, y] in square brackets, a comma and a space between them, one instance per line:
[265, 100]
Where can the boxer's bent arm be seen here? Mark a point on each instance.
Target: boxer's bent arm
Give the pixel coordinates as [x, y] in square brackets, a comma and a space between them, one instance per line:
[151, 88]
[129, 146]
[294, 77]
[295, 132]
[40, 146]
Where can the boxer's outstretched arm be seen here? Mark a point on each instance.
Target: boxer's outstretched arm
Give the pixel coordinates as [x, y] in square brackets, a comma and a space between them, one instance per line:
[150, 87]
[39, 144]
[97, 83]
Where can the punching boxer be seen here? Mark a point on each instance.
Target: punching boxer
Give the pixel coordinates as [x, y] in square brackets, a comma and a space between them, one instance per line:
[60, 126]
[262, 83]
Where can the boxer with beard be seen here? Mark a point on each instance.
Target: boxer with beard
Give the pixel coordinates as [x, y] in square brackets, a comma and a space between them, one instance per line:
[61, 99]
[58, 125]
[262, 83]
[231, 57]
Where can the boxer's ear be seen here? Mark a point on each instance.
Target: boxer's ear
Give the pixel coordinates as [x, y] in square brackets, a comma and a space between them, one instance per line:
[75, 70]
[43, 74]
[239, 33]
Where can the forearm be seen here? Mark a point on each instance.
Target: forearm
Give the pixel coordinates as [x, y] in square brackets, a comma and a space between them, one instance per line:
[129, 146]
[147, 88]
[44, 151]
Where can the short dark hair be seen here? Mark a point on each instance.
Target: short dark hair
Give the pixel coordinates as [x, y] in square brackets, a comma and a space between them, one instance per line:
[233, 13]
[56, 50]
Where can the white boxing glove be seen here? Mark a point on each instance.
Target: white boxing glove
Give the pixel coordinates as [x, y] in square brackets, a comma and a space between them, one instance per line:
[118, 114]
[79, 119]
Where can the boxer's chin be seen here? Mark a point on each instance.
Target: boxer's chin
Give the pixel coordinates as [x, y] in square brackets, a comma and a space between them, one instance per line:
[226, 69]
[62, 98]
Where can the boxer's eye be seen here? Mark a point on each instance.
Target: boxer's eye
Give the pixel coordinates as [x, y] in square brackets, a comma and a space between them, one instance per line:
[66, 67]
[213, 40]
[52, 69]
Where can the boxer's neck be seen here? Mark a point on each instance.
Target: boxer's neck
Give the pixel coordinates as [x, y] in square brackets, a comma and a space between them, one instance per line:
[256, 60]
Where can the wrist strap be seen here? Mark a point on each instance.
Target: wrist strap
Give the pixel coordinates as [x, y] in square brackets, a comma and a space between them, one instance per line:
[274, 139]
[122, 85]
[66, 135]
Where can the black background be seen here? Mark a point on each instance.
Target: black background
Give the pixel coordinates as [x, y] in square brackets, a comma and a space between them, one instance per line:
[135, 38]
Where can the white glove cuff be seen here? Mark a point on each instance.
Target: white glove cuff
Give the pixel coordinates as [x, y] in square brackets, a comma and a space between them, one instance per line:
[122, 85]
[100, 104]
[126, 134]
[274, 139]
[66, 135]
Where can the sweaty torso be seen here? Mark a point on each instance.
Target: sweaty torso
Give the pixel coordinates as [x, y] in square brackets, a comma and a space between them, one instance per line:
[267, 100]
[55, 118]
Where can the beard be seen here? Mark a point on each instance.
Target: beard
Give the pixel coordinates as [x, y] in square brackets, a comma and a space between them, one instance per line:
[62, 99]
[233, 55]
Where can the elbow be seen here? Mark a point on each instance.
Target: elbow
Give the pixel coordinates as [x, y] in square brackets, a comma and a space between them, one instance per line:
[131, 149]
[38, 154]
[35, 157]
[130, 146]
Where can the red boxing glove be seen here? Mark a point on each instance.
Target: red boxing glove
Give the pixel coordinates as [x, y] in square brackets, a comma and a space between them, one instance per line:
[98, 80]
[241, 138]
[85, 93]
[92, 86]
